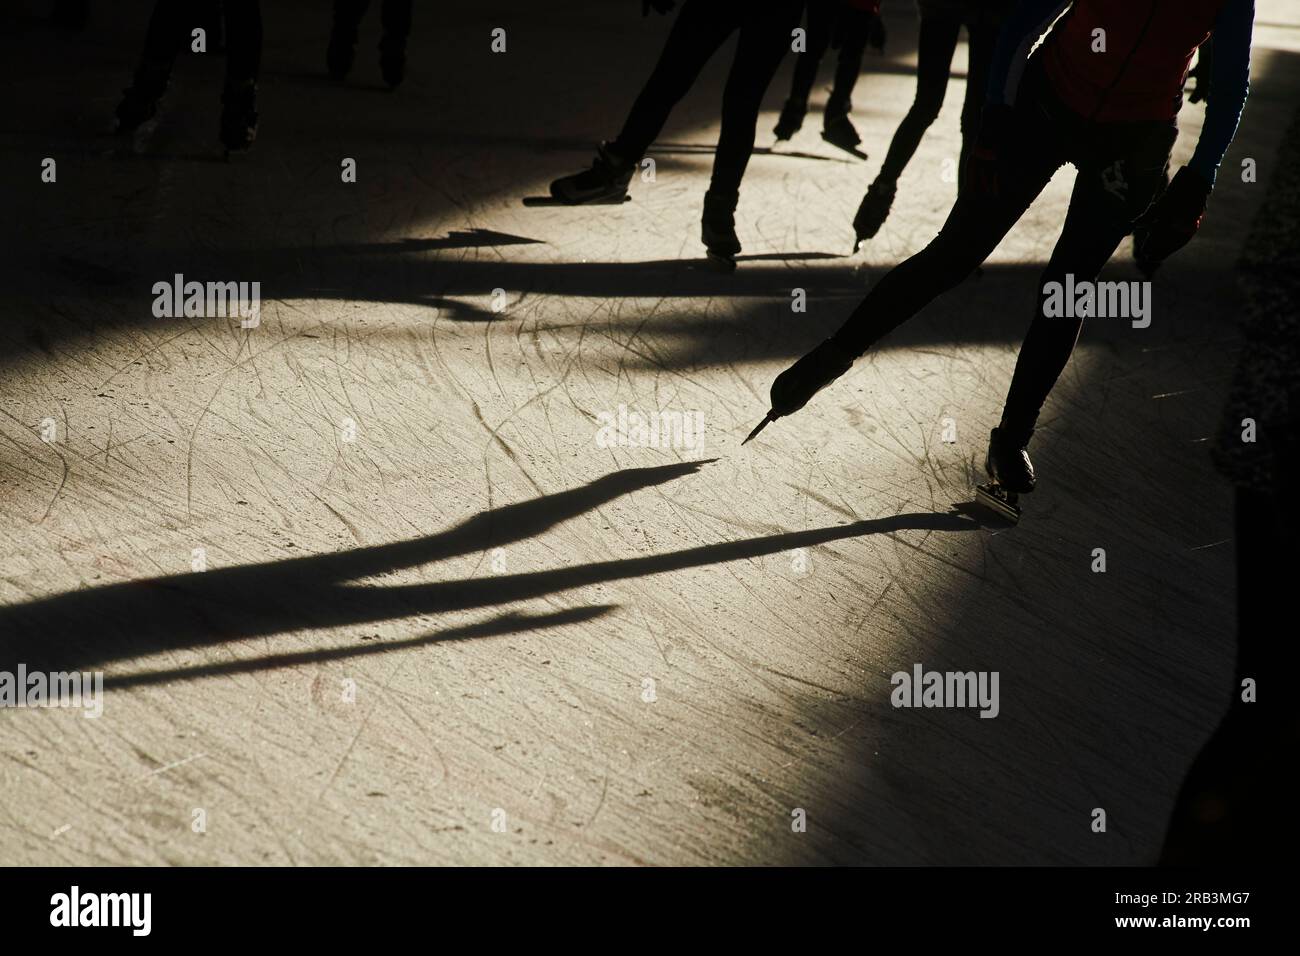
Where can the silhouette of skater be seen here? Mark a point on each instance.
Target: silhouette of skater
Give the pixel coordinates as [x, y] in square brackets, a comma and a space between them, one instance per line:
[395, 17]
[849, 26]
[1066, 104]
[941, 23]
[701, 28]
[1221, 814]
[169, 28]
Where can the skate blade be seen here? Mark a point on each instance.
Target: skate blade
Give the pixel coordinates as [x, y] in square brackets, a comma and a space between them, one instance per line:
[999, 502]
[847, 147]
[554, 200]
[758, 428]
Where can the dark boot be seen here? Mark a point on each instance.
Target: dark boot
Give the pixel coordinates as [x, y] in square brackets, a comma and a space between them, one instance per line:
[605, 182]
[874, 209]
[239, 116]
[718, 226]
[1007, 462]
[805, 378]
[791, 118]
[140, 100]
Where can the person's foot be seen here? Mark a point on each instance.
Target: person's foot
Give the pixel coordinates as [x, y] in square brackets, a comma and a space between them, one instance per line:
[340, 52]
[805, 378]
[874, 210]
[718, 227]
[606, 181]
[140, 100]
[791, 118]
[239, 116]
[840, 132]
[1007, 462]
[392, 62]
[836, 127]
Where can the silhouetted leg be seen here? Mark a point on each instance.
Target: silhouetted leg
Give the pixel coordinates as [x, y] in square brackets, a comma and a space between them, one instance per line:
[821, 23]
[347, 16]
[162, 42]
[164, 36]
[343, 36]
[701, 27]
[243, 41]
[1111, 191]
[243, 66]
[983, 39]
[938, 40]
[764, 40]
[849, 65]
[975, 226]
[396, 17]
[392, 46]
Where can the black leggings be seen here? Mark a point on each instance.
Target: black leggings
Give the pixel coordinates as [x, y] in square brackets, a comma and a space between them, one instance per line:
[170, 25]
[1120, 167]
[822, 16]
[701, 28]
[394, 15]
[940, 26]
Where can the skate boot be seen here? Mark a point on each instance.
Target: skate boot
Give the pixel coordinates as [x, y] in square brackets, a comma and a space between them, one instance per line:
[239, 116]
[718, 230]
[791, 118]
[140, 100]
[341, 51]
[838, 130]
[605, 182]
[874, 210]
[1011, 473]
[392, 62]
[805, 378]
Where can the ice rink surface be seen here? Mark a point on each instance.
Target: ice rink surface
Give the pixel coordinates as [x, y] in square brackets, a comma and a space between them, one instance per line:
[440, 620]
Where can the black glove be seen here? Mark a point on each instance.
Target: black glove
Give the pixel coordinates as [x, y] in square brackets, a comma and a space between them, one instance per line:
[985, 155]
[659, 6]
[1171, 221]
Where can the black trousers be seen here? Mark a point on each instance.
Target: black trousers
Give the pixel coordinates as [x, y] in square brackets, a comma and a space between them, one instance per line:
[940, 26]
[394, 16]
[169, 29]
[822, 20]
[1120, 167]
[701, 28]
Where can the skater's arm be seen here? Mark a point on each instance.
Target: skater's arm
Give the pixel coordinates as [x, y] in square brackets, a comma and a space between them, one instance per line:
[1229, 83]
[1021, 30]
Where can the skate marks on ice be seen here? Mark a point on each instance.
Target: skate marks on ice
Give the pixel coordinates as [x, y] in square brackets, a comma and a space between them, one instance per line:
[103, 625]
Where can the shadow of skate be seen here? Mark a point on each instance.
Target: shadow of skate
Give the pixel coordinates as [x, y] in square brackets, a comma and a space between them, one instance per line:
[94, 627]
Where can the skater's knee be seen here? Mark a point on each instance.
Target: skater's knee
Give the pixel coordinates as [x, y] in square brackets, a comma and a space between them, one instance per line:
[925, 109]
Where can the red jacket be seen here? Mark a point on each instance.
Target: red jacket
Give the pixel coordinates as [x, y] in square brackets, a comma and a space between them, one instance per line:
[1148, 51]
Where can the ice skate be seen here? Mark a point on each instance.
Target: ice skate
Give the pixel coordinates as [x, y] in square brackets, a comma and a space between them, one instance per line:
[873, 211]
[605, 182]
[791, 119]
[793, 388]
[838, 130]
[239, 117]
[140, 100]
[718, 231]
[1010, 473]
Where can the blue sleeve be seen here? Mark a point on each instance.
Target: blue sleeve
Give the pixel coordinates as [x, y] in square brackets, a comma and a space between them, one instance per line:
[1229, 85]
[1020, 31]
